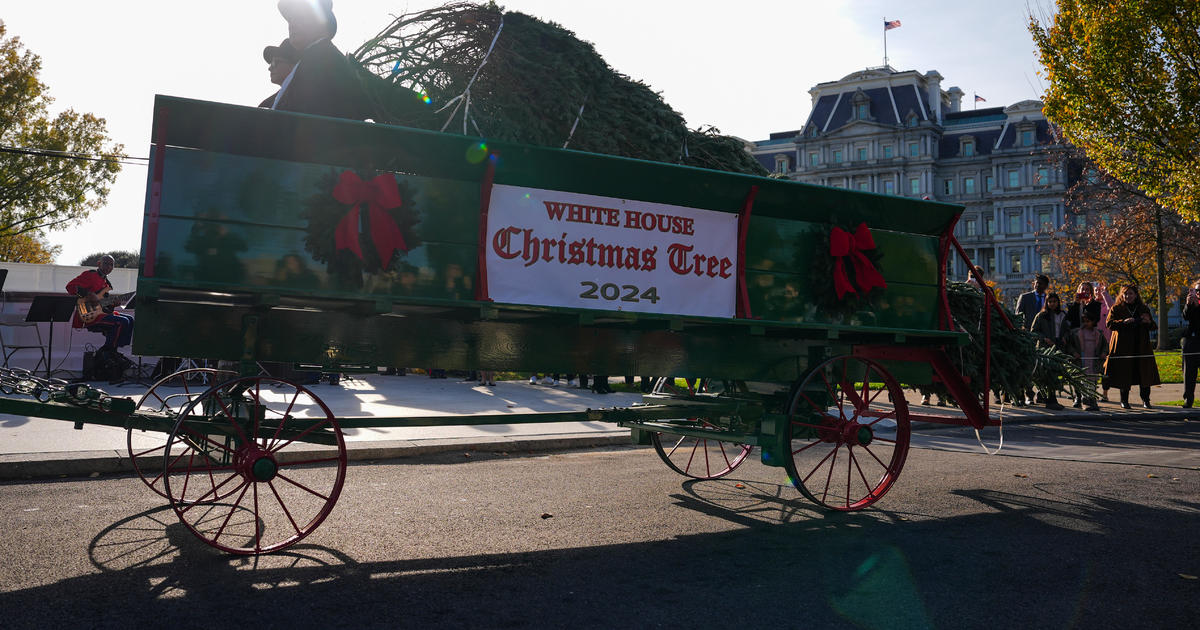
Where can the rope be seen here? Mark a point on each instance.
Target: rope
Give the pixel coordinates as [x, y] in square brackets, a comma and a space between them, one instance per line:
[576, 123]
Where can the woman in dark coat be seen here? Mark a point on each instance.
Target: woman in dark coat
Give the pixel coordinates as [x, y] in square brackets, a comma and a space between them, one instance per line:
[1053, 331]
[1130, 355]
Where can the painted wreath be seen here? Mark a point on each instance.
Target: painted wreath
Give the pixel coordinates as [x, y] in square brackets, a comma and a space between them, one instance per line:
[360, 226]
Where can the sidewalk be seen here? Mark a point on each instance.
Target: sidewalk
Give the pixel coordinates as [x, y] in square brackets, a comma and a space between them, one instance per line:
[38, 447]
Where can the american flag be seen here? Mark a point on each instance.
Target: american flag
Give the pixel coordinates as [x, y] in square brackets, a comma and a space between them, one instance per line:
[890, 24]
[980, 99]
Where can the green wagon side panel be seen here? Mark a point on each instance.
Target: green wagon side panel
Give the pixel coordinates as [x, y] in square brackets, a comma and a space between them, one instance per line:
[247, 210]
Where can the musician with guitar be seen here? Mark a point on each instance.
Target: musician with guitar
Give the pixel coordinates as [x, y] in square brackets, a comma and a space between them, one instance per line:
[96, 310]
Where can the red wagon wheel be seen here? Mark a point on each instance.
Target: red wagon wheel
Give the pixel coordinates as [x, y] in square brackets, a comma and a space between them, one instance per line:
[695, 457]
[848, 429]
[168, 396]
[250, 440]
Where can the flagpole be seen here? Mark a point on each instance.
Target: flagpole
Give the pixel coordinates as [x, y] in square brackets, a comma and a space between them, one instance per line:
[885, 30]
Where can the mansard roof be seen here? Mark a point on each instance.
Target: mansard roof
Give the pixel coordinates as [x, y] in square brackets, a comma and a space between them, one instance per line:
[833, 111]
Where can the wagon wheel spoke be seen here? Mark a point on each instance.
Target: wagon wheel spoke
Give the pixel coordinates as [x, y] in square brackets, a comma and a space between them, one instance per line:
[814, 458]
[166, 398]
[698, 457]
[289, 506]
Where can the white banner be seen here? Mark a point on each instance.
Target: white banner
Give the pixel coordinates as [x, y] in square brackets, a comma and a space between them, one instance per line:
[553, 248]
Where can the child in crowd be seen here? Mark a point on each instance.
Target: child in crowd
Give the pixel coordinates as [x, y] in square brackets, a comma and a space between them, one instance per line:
[1090, 352]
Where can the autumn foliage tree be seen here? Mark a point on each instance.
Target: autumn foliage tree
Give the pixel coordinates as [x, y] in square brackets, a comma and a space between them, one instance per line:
[1123, 236]
[1124, 85]
[50, 174]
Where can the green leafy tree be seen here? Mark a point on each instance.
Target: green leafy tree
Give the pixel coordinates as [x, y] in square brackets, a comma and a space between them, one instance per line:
[1124, 85]
[121, 259]
[50, 175]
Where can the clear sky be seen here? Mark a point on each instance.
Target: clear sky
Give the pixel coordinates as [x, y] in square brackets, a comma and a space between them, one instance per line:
[744, 67]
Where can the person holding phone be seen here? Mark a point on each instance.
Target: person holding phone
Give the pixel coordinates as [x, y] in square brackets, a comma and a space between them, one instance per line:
[1191, 343]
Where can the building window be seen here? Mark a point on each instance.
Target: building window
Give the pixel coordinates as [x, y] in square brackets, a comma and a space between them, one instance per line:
[887, 151]
[1045, 260]
[989, 183]
[1014, 178]
[1027, 138]
[914, 149]
[914, 186]
[1043, 177]
[781, 165]
[1014, 263]
[989, 225]
[968, 185]
[864, 186]
[837, 157]
[972, 229]
[1106, 219]
[911, 121]
[1080, 220]
[1015, 225]
[987, 260]
[889, 187]
[863, 111]
[814, 159]
[968, 149]
[862, 153]
[948, 187]
[1045, 218]
[812, 132]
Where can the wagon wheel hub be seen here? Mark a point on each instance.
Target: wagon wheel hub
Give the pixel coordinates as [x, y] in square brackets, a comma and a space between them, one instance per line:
[259, 465]
[857, 434]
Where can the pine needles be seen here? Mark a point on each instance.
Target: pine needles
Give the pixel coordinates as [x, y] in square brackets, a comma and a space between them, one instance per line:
[540, 85]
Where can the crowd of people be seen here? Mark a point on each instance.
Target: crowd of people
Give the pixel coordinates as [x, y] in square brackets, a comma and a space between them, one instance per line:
[1109, 339]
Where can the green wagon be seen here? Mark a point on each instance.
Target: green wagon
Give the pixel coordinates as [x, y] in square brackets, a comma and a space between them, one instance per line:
[779, 315]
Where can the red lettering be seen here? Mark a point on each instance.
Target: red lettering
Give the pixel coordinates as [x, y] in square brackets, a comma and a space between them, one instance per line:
[631, 219]
[502, 243]
[688, 227]
[648, 260]
[677, 258]
[554, 210]
[725, 265]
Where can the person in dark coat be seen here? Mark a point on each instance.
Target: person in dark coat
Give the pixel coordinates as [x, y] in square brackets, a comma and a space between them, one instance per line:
[1029, 304]
[280, 61]
[1084, 304]
[323, 82]
[1130, 356]
[1052, 331]
[1191, 344]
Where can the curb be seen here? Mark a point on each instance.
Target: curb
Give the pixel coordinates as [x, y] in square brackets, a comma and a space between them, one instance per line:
[30, 466]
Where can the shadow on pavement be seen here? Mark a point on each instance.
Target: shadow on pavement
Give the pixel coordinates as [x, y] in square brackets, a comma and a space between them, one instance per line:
[1028, 561]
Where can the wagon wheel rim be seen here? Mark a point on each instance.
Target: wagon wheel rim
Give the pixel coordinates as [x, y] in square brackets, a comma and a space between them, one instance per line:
[696, 457]
[247, 438]
[147, 462]
[846, 449]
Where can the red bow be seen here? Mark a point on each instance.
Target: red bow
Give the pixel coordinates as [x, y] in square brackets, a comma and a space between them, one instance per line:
[842, 244]
[380, 194]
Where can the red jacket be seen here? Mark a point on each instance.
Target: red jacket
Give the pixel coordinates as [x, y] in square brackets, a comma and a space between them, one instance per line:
[87, 282]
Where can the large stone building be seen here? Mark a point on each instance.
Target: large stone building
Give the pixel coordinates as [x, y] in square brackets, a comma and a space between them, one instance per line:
[900, 133]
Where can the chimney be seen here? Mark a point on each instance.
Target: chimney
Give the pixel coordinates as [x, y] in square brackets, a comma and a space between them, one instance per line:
[933, 86]
[956, 96]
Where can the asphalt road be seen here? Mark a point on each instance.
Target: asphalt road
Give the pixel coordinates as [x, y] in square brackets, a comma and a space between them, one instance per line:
[612, 538]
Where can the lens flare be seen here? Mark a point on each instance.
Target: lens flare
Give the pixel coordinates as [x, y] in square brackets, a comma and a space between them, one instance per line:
[477, 153]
